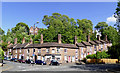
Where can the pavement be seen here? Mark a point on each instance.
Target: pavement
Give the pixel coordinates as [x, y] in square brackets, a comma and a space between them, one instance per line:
[15, 66]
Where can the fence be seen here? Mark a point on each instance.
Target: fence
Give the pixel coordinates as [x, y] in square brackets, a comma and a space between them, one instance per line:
[103, 61]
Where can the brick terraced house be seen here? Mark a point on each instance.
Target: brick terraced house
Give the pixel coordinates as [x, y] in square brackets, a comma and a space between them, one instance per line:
[64, 53]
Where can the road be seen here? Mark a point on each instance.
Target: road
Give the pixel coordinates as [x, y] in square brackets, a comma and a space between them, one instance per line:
[15, 66]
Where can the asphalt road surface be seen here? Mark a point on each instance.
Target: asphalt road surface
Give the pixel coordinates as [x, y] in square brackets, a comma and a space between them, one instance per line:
[15, 66]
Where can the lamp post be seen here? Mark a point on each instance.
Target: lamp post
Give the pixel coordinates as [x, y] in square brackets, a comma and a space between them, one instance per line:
[34, 38]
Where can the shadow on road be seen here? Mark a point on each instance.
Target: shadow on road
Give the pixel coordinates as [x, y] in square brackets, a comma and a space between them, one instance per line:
[98, 67]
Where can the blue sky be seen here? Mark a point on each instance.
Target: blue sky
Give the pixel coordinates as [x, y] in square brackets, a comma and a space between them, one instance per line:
[30, 12]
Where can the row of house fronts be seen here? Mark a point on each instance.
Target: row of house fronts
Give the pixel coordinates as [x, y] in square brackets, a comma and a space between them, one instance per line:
[56, 50]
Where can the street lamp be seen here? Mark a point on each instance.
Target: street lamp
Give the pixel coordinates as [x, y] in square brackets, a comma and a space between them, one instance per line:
[34, 38]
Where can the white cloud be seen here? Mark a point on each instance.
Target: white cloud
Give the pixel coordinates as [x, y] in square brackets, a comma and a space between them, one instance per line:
[111, 19]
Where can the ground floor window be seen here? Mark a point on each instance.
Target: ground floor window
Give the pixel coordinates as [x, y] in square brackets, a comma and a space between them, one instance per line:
[73, 58]
[27, 57]
[65, 57]
[39, 57]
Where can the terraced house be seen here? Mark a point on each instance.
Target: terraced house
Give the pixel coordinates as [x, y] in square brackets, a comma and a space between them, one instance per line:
[64, 53]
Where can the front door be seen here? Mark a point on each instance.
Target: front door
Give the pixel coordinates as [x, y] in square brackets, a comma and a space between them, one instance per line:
[69, 59]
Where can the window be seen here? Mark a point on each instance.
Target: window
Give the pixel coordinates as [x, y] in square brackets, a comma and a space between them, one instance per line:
[34, 49]
[16, 50]
[65, 57]
[95, 48]
[58, 50]
[53, 51]
[65, 50]
[39, 50]
[82, 49]
[39, 57]
[20, 50]
[15, 56]
[36, 31]
[28, 51]
[10, 50]
[101, 46]
[47, 50]
[90, 48]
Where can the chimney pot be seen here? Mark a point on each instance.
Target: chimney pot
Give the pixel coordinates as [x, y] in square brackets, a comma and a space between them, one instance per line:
[8, 42]
[59, 38]
[23, 41]
[31, 41]
[75, 40]
[98, 37]
[88, 38]
[15, 41]
[41, 41]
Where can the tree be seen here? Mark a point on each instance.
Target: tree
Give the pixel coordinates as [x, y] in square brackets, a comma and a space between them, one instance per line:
[1, 31]
[111, 33]
[1, 54]
[101, 25]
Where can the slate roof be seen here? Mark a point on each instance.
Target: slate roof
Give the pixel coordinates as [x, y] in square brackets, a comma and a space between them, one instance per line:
[86, 43]
[92, 42]
[20, 45]
[80, 45]
[102, 41]
[11, 46]
[52, 44]
[98, 42]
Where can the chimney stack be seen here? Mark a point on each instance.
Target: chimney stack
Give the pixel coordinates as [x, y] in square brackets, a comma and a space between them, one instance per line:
[31, 41]
[41, 41]
[8, 42]
[105, 37]
[23, 41]
[88, 38]
[98, 37]
[59, 38]
[75, 40]
[15, 41]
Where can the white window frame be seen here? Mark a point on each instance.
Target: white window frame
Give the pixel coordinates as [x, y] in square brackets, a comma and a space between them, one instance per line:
[65, 50]
[39, 50]
[58, 50]
[20, 50]
[53, 50]
[10, 50]
[47, 50]
[16, 50]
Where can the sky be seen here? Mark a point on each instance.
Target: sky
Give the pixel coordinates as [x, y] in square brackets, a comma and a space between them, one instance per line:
[31, 12]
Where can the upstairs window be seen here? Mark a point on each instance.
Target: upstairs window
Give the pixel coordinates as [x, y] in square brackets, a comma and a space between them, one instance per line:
[20, 50]
[82, 49]
[39, 50]
[47, 50]
[28, 51]
[58, 50]
[53, 50]
[65, 50]
[16, 50]
[10, 50]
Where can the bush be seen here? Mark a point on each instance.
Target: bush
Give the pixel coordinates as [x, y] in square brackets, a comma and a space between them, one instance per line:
[98, 55]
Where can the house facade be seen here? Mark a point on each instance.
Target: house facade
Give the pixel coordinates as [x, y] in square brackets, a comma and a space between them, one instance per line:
[64, 53]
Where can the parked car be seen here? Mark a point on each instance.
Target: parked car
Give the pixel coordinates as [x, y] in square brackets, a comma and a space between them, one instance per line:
[5, 58]
[28, 61]
[54, 62]
[40, 62]
[15, 60]
[12, 59]
[21, 60]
